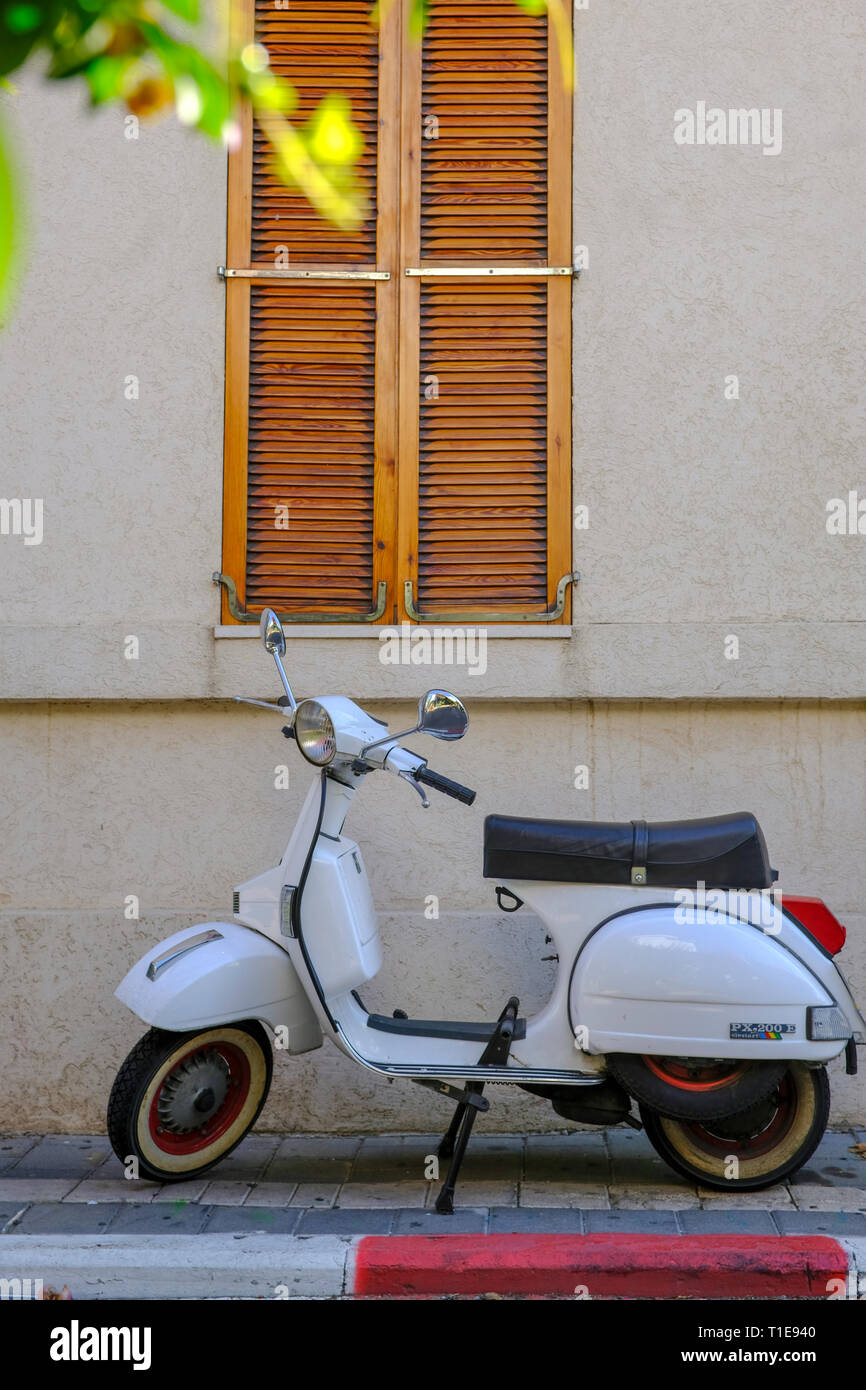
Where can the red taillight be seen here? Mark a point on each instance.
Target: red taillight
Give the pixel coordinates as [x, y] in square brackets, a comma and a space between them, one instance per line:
[818, 921]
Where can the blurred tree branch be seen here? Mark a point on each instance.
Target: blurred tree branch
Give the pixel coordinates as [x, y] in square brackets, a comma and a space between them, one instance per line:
[154, 56]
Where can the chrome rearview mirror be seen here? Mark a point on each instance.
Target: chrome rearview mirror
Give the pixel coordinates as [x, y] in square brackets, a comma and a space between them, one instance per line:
[442, 715]
[273, 637]
[274, 640]
[439, 714]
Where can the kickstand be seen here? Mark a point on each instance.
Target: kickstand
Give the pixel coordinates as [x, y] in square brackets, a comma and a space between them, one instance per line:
[453, 1146]
[456, 1137]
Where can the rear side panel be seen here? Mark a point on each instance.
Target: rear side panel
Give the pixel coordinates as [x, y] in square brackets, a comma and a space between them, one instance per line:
[664, 980]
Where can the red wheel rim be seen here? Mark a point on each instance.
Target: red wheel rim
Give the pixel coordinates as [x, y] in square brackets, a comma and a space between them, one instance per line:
[222, 1119]
[755, 1145]
[713, 1077]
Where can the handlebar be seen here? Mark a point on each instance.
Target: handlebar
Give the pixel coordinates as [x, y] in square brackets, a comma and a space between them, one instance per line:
[445, 785]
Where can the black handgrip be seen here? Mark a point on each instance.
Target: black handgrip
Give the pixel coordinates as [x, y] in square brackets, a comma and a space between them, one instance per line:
[444, 784]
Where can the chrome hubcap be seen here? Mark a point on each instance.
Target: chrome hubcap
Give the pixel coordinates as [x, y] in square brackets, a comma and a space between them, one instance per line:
[193, 1092]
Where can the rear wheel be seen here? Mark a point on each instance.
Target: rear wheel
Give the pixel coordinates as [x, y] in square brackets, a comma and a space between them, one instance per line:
[182, 1101]
[758, 1148]
[695, 1088]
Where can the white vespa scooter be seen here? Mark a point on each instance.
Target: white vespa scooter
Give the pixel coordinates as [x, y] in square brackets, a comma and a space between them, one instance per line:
[715, 1010]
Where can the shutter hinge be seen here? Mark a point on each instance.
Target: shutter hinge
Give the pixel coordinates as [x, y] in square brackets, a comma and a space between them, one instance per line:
[548, 616]
[241, 615]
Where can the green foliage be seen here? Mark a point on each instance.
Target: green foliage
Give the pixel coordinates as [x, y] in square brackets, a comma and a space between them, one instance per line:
[10, 223]
[148, 56]
[127, 52]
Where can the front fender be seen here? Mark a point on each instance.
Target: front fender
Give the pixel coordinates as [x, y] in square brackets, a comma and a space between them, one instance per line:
[220, 972]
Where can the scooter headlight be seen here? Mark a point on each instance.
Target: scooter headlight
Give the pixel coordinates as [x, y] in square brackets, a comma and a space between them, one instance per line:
[314, 733]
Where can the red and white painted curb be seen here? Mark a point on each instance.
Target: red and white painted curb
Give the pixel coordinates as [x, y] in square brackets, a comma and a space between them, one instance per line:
[603, 1266]
[610, 1265]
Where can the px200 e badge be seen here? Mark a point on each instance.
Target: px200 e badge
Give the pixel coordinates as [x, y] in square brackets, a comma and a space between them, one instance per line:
[762, 1032]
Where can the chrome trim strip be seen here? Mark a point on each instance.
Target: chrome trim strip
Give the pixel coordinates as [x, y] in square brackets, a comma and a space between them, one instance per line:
[512, 1074]
[476, 271]
[160, 963]
[277, 272]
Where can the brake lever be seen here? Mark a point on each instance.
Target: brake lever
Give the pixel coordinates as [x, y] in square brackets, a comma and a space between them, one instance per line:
[408, 777]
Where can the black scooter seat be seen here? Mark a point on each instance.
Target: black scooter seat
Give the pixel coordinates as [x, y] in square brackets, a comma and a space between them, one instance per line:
[718, 851]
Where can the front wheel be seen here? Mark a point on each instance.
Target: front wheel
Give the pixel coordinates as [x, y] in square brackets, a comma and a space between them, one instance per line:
[182, 1101]
[761, 1146]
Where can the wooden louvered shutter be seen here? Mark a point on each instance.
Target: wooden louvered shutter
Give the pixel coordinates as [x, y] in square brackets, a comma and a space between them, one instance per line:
[485, 360]
[311, 353]
[462, 354]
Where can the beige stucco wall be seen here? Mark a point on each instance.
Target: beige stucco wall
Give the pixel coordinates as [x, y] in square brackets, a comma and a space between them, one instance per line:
[707, 519]
[707, 516]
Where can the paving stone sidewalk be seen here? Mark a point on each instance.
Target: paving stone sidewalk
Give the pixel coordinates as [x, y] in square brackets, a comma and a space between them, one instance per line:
[575, 1181]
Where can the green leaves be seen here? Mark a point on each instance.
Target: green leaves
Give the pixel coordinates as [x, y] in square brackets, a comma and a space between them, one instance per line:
[559, 23]
[23, 19]
[333, 139]
[320, 159]
[124, 51]
[105, 77]
[187, 10]
[203, 97]
[418, 12]
[10, 223]
[20, 26]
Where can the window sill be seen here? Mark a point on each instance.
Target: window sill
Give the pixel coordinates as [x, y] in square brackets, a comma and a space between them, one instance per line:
[339, 630]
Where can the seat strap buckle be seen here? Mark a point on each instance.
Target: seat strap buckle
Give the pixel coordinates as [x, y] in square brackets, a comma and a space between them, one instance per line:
[639, 855]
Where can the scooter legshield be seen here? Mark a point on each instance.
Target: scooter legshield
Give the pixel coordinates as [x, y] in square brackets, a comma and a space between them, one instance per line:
[221, 972]
[665, 981]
